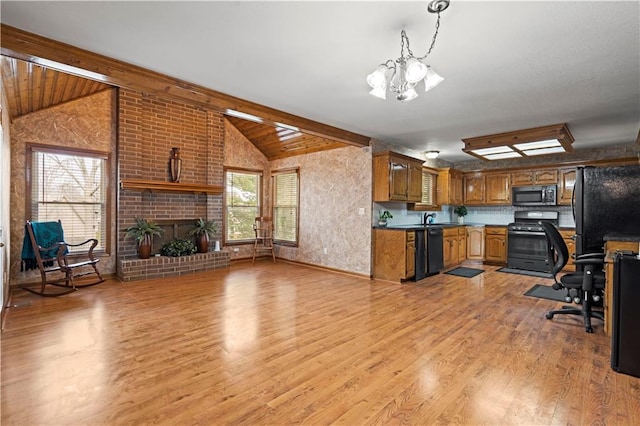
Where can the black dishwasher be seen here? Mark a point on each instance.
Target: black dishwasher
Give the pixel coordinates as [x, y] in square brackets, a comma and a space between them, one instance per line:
[428, 252]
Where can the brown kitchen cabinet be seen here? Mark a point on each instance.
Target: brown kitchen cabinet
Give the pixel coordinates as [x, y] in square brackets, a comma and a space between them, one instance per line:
[396, 177]
[475, 242]
[566, 182]
[394, 254]
[568, 236]
[473, 189]
[497, 188]
[454, 246]
[534, 177]
[449, 187]
[495, 249]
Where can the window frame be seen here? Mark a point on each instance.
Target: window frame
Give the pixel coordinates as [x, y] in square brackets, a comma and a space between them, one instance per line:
[260, 188]
[434, 179]
[275, 173]
[32, 149]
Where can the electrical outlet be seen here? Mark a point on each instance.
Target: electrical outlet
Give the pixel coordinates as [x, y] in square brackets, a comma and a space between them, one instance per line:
[236, 249]
[325, 251]
[361, 211]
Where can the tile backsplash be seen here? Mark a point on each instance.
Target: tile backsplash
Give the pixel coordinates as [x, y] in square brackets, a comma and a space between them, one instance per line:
[491, 215]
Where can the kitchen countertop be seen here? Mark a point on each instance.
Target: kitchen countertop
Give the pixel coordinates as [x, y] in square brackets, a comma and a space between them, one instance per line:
[614, 236]
[416, 227]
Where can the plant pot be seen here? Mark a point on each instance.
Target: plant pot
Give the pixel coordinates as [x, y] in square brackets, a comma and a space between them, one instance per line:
[460, 220]
[144, 247]
[382, 223]
[202, 242]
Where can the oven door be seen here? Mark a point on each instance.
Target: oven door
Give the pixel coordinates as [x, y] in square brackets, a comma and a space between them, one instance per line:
[527, 250]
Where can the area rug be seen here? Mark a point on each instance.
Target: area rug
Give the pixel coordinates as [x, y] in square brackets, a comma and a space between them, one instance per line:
[461, 271]
[546, 292]
[524, 272]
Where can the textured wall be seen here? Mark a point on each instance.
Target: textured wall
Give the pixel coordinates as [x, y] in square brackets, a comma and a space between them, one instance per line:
[334, 184]
[85, 123]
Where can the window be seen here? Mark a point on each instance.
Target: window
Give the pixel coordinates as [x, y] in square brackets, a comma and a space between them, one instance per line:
[71, 186]
[428, 188]
[286, 192]
[242, 204]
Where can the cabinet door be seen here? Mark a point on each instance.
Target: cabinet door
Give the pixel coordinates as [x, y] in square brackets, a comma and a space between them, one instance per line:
[497, 188]
[567, 180]
[568, 236]
[399, 179]
[415, 182]
[475, 243]
[545, 177]
[449, 252]
[411, 255]
[521, 178]
[496, 244]
[462, 245]
[456, 186]
[473, 190]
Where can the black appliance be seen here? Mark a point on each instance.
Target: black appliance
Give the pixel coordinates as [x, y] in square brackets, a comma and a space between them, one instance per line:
[537, 195]
[526, 242]
[429, 257]
[625, 345]
[605, 200]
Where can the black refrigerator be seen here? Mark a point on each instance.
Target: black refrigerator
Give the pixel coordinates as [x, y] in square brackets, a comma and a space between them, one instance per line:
[625, 345]
[605, 200]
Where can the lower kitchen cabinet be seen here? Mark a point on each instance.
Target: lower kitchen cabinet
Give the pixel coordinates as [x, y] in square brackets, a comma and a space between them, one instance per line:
[454, 246]
[568, 236]
[475, 242]
[394, 256]
[496, 244]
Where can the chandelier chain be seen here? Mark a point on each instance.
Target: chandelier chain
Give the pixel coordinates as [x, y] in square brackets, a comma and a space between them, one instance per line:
[433, 40]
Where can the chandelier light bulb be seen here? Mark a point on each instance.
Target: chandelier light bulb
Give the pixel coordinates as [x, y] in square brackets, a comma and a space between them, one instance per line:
[432, 79]
[416, 70]
[378, 78]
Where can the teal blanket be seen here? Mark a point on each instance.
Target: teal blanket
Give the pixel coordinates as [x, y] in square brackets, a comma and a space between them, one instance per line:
[46, 235]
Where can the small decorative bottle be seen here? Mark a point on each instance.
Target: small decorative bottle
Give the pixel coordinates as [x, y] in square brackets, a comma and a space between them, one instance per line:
[175, 164]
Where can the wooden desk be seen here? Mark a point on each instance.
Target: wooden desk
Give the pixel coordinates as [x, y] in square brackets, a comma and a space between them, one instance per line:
[611, 246]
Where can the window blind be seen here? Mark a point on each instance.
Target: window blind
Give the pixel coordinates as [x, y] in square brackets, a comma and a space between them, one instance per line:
[285, 207]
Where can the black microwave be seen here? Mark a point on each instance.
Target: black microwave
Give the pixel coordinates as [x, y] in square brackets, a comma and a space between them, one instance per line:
[537, 195]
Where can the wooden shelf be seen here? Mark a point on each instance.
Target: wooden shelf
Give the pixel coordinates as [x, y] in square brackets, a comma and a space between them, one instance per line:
[155, 186]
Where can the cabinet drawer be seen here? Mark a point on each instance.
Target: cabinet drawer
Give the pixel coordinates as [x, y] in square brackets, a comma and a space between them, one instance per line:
[450, 232]
[496, 231]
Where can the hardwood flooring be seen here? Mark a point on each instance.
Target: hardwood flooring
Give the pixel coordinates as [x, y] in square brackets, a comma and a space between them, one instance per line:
[287, 344]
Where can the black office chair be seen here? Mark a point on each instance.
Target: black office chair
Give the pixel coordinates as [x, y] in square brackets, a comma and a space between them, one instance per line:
[583, 287]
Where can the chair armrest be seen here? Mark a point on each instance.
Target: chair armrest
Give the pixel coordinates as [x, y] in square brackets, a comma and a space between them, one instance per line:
[589, 261]
[591, 255]
[56, 245]
[93, 242]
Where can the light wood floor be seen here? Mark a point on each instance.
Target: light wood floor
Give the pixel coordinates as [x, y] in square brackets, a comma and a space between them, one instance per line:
[285, 344]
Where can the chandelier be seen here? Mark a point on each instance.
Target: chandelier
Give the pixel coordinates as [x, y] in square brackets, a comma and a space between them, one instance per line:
[402, 75]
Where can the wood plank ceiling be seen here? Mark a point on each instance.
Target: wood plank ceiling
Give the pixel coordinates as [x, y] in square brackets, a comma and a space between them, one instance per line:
[31, 87]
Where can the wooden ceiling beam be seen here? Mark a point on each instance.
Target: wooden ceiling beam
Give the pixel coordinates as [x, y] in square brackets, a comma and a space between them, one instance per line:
[66, 58]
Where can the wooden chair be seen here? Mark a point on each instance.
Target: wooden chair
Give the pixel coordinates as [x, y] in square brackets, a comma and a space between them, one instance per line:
[263, 228]
[51, 254]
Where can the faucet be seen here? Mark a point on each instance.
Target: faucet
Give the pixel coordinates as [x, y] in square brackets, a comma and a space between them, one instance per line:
[428, 218]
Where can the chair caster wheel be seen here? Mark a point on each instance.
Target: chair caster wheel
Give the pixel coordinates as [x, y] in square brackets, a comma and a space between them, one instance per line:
[589, 329]
[548, 315]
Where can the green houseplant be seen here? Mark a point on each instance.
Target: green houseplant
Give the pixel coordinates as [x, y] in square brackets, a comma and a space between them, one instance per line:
[143, 232]
[383, 217]
[177, 247]
[203, 230]
[461, 211]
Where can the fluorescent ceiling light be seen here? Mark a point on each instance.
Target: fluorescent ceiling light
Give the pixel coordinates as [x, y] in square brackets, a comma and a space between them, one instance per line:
[503, 155]
[542, 151]
[287, 126]
[494, 150]
[243, 115]
[537, 145]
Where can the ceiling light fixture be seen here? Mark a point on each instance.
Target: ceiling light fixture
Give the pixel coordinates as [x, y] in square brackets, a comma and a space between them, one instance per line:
[431, 154]
[521, 143]
[402, 75]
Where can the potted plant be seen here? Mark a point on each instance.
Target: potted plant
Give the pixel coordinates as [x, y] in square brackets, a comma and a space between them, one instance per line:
[177, 247]
[202, 231]
[143, 232]
[461, 211]
[383, 217]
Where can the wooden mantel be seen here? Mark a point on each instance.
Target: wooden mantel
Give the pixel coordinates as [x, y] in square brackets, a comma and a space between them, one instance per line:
[156, 186]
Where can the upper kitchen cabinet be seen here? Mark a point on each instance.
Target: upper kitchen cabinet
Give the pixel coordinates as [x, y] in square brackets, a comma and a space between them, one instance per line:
[497, 188]
[566, 181]
[396, 177]
[534, 177]
[449, 188]
[428, 193]
[474, 187]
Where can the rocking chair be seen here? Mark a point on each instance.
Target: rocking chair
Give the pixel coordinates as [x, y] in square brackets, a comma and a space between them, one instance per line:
[44, 247]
